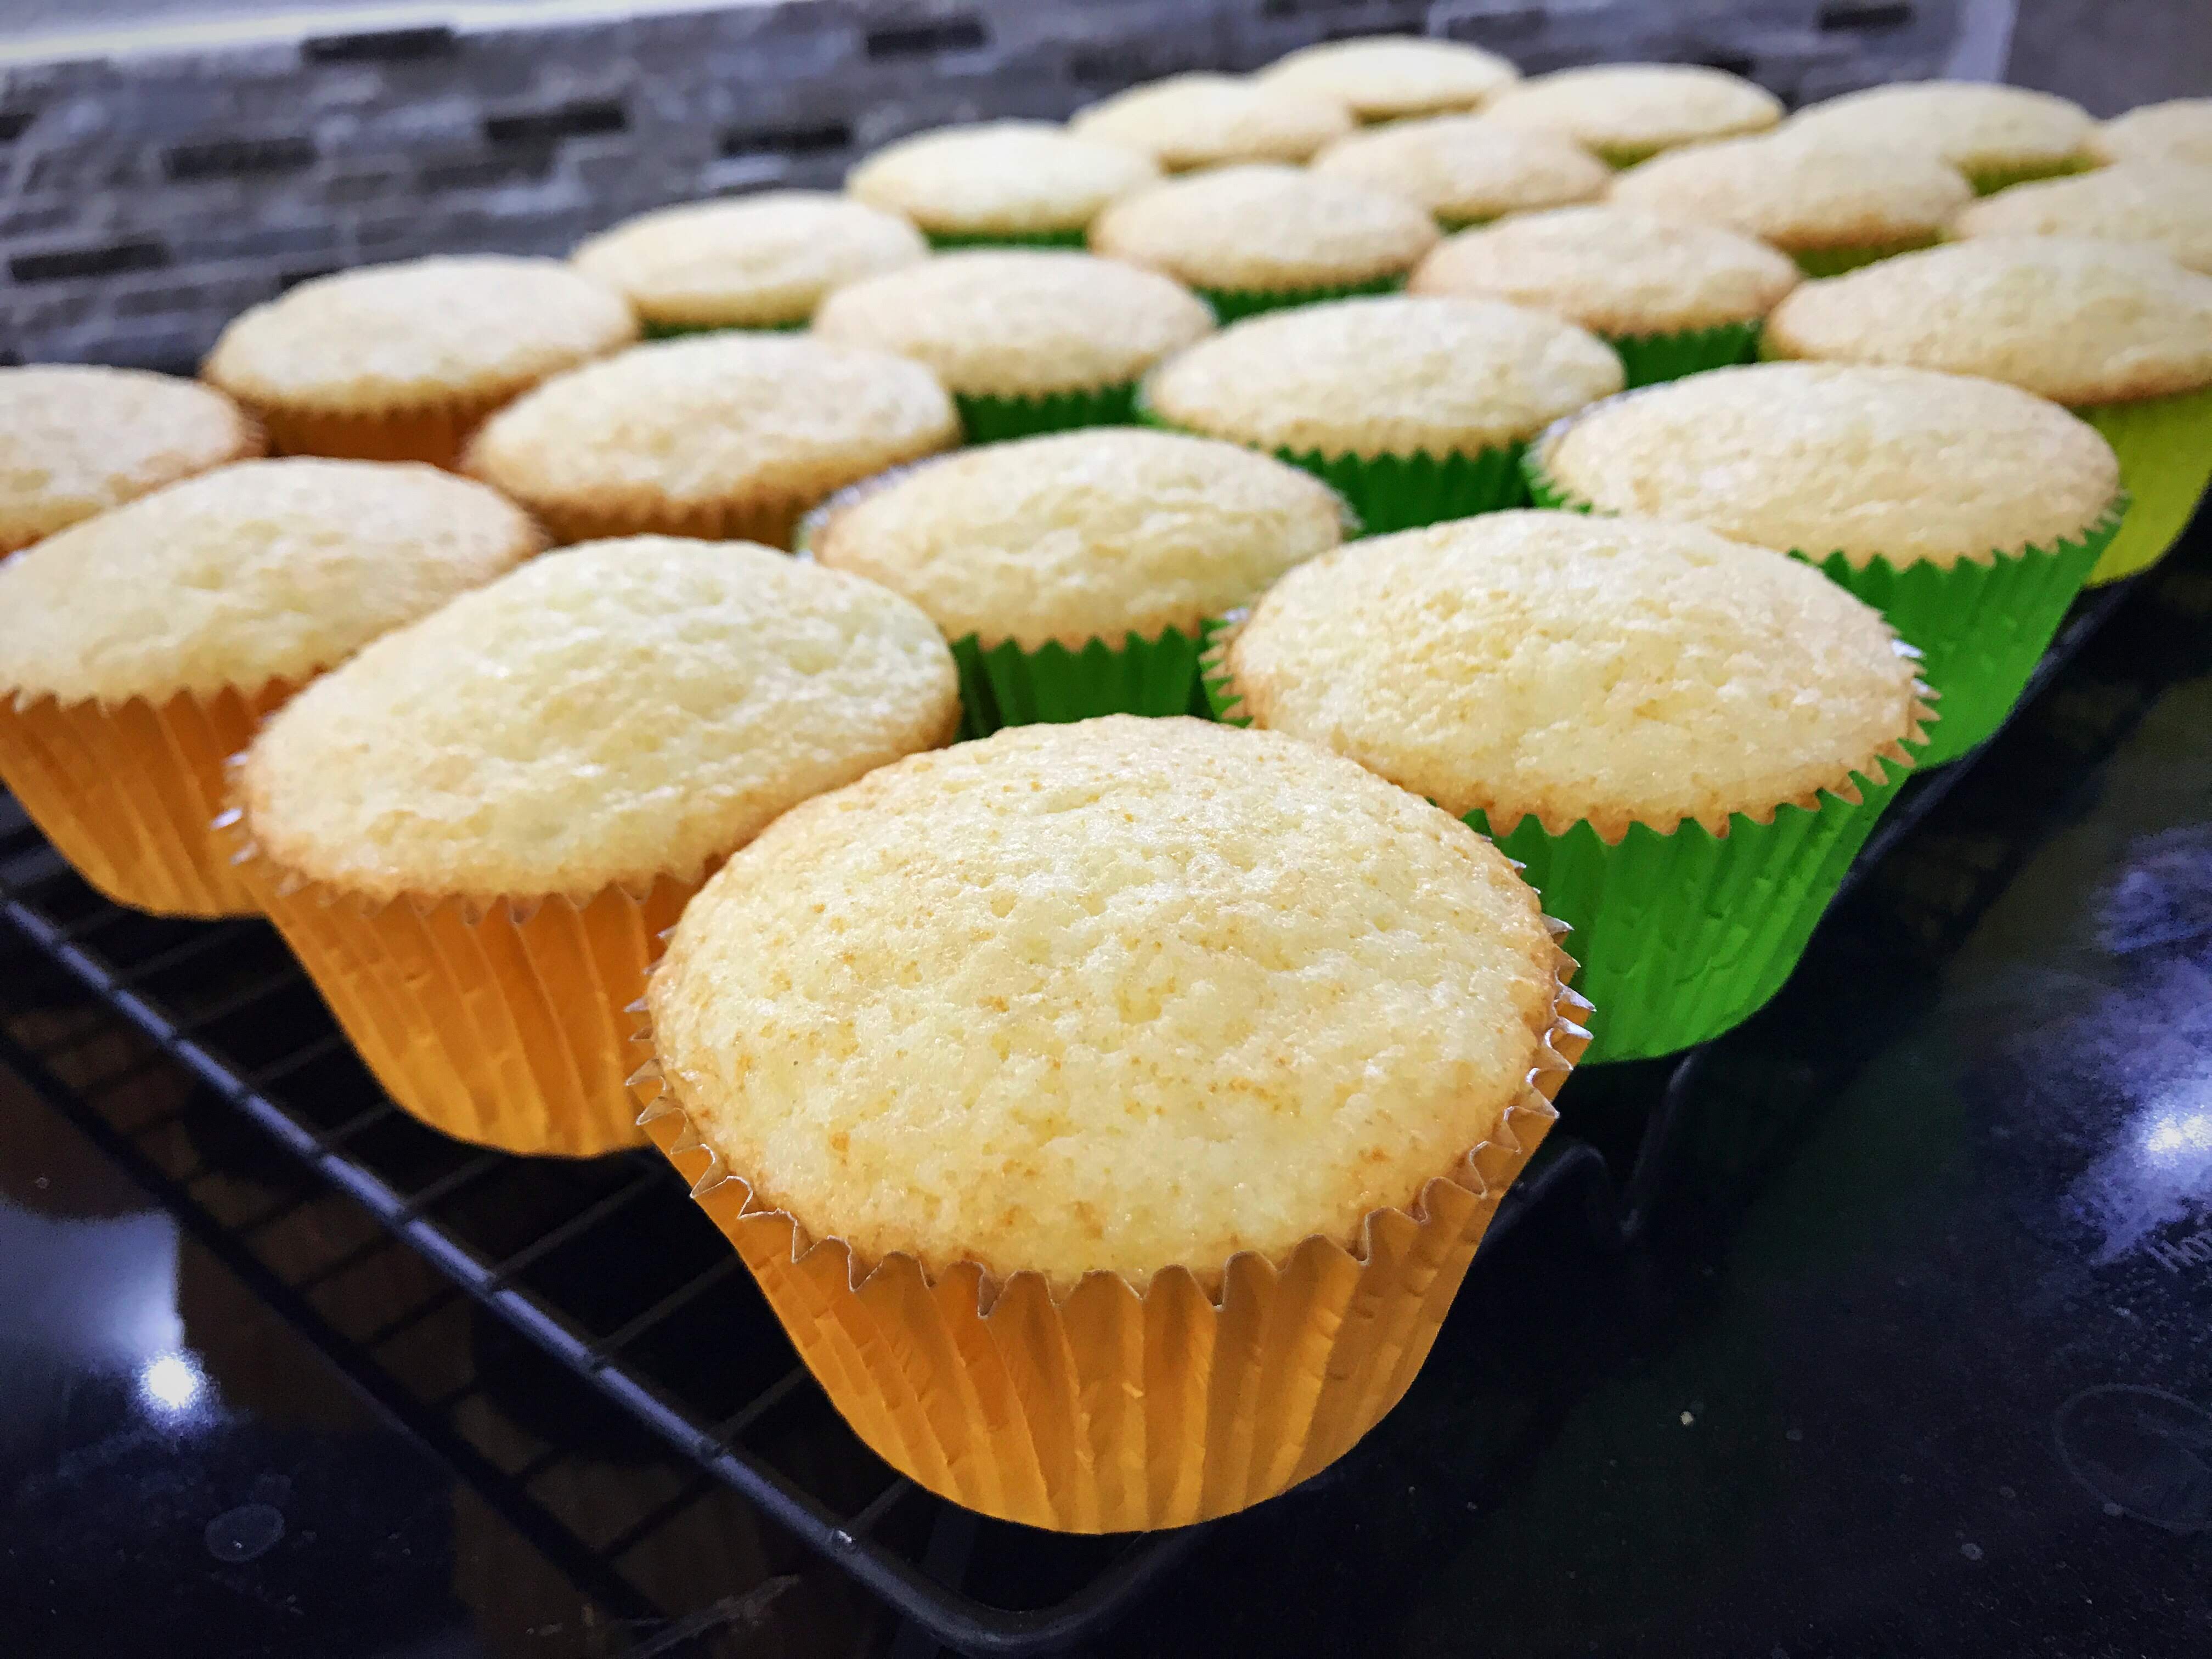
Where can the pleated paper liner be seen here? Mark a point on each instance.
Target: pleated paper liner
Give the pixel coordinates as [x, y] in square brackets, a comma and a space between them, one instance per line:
[1835, 261]
[499, 1023]
[990, 419]
[2164, 446]
[771, 522]
[1649, 359]
[437, 434]
[684, 330]
[1988, 181]
[948, 241]
[1231, 304]
[1011, 685]
[125, 791]
[1980, 628]
[1110, 1409]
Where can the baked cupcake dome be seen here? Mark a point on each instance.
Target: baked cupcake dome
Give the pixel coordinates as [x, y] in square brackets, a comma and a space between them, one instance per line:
[2167, 205]
[1189, 1025]
[496, 810]
[2178, 130]
[1995, 135]
[1413, 407]
[1254, 238]
[731, 436]
[1027, 339]
[139, 648]
[1389, 78]
[401, 362]
[75, 441]
[1625, 112]
[1190, 121]
[1627, 705]
[1967, 512]
[2118, 332]
[1671, 297]
[1831, 203]
[1464, 170]
[1074, 574]
[761, 261]
[1001, 181]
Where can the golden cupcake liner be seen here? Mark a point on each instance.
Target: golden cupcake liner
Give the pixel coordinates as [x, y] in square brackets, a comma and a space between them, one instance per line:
[437, 434]
[770, 523]
[2164, 446]
[1110, 1408]
[501, 1021]
[125, 791]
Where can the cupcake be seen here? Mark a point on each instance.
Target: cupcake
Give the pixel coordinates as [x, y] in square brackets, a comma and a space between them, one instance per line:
[1831, 205]
[1014, 183]
[1029, 340]
[139, 648]
[2121, 335]
[1190, 121]
[1683, 740]
[1995, 135]
[75, 441]
[1413, 408]
[1252, 239]
[1672, 298]
[473, 834]
[1075, 573]
[1109, 1111]
[401, 362]
[2166, 204]
[1627, 112]
[2178, 130]
[1464, 171]
[730, 437]
[759, 261]
[1967, 512]
[1390, 78]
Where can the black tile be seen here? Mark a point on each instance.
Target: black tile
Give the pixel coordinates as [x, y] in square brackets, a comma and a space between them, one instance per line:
[811, 140]
[12, 123]
[964, 34]
[57, 265]
[225, 158]
[1865, 14]
[382, 46]
[551, 126]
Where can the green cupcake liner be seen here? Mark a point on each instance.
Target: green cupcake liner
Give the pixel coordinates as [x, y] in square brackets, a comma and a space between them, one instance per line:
[2164, 446]
[680, 330]
[1230, 304]
[1649, 359]
[947, 241]
[1835, 261]
[1007, 685]
[990, 420]
[1988, 181]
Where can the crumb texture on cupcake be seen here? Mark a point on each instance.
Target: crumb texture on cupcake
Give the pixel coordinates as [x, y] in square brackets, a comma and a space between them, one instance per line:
[1015, 322]
[1822, 458]
[1976, 127]
[1265, 227]
[1612, 670]
[2178, 130]
[1112, 997]
[2071, 319]
[609, 714]
[76, 439]
[2165, 204]
[1001, 178]
[1612, 269]
[1084, 535]
[1391, 376]
[1188, 121]
[1388, 78]
[755, 261]
[1626, 112]
[1462, 168]
[266, 570]
[427, 333]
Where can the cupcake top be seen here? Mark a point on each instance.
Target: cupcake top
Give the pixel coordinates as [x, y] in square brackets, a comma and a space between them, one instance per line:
[1985, 130]
[75, 441]
[1388, 77]
[1803, 192]
[728, 420]
[1000, 179]
[1578, 669]
[1190, 121]
[1822, 458]
[613, 713]
[1113, 997]
[1095, 534]
[1393, 376]
[1462, 168]
[267, 570]
[1614, 271]
[2072, 320]
[422, 333]
[2178, 130]
[1626, 112]
[1265, 227]
[1015, 322]
[2167, 204]
[754, 262]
